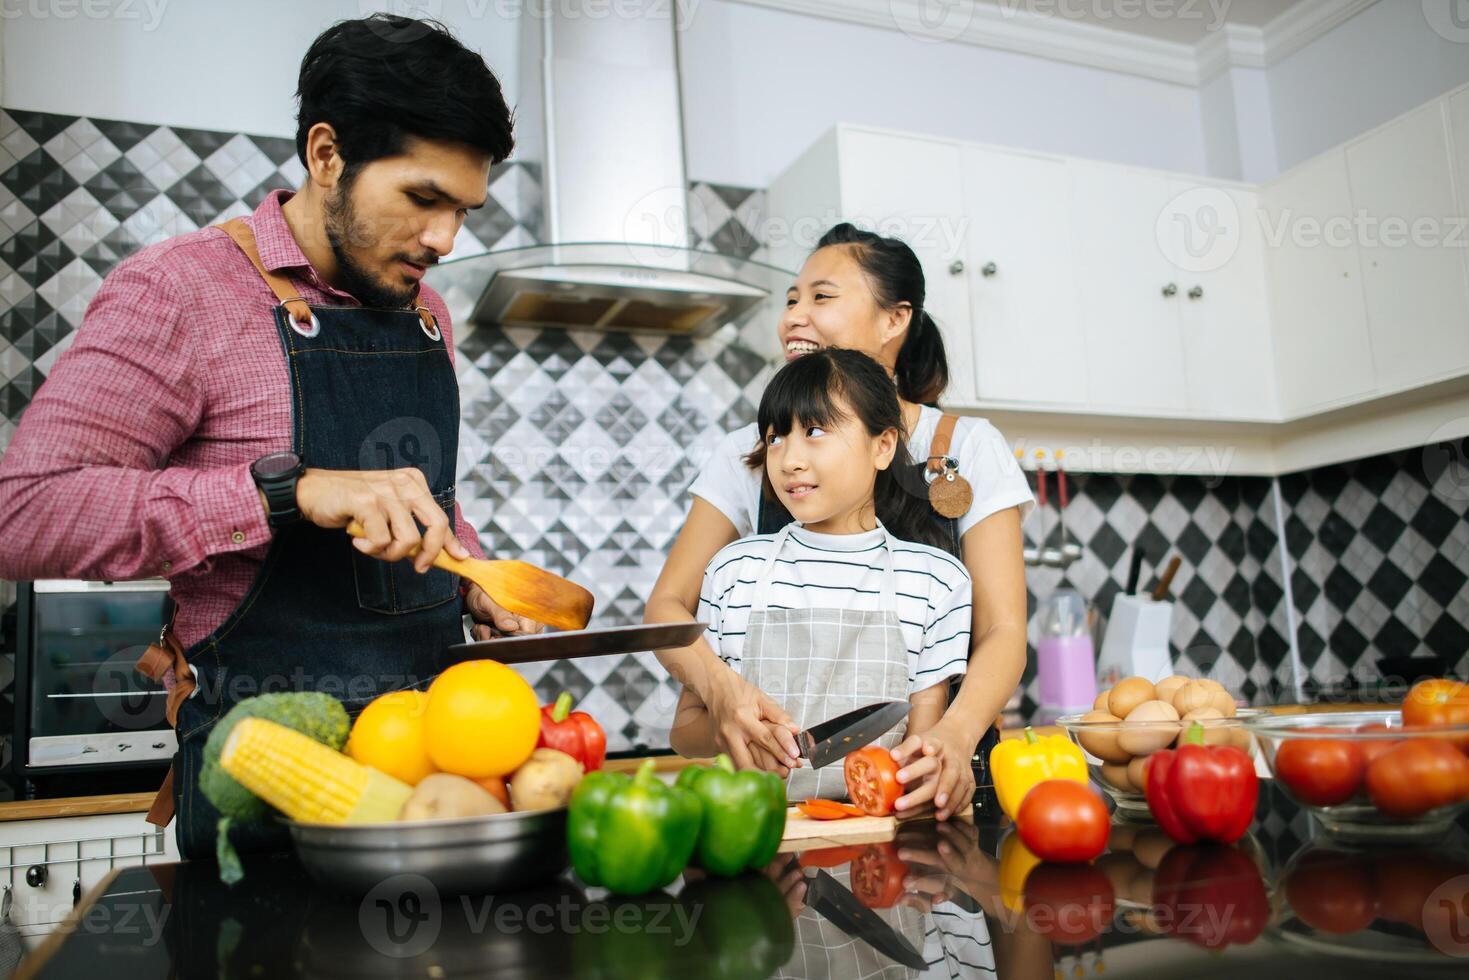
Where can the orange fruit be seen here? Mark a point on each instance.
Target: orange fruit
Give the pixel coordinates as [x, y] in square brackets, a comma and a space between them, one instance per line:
[389, 736]
[483, 719]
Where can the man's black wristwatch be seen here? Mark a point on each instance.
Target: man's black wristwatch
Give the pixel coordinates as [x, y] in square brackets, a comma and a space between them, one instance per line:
[276, 476]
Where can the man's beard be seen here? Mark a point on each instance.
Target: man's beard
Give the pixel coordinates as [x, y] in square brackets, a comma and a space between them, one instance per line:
[344, 231]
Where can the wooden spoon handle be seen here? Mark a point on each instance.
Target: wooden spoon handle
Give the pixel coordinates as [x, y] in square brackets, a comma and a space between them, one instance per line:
[442, 560]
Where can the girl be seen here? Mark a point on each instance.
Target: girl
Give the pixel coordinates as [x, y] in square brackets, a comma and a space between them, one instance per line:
[832, 613]
[866, 292]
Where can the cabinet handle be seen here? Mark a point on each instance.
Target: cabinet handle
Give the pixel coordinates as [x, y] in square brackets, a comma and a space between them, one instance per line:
[956, 268]
[1170, 290]
[989, 269]
[1196, 293]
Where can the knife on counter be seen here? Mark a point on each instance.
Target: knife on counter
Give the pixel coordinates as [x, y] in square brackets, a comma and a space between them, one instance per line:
[836, 903]
[832, 740]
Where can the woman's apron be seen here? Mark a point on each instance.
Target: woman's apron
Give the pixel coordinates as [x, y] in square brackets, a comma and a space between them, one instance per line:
[819, 663]
[773, 516]
[370, 389]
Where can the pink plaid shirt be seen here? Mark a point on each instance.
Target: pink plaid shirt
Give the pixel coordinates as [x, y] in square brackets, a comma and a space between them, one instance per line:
[133, 460]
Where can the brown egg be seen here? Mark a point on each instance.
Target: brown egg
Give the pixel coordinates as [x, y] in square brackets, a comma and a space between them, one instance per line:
[1122, 836]
[1128, 694]
[1116, 776]
[1222, 699]
[1102, 744]
[1137, 773]
[1241, 739]
[1100, 704]
[1138, 737]
[1141, 892]
[1192, 696]
[1151, 846]
[1213, 734]
[1168, 686]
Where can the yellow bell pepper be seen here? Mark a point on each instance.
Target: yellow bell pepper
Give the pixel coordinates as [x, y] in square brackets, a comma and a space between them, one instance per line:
[1018, 764]
[1016, 863]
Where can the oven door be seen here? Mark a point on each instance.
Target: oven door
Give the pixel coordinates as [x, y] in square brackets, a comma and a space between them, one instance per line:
[80, 702]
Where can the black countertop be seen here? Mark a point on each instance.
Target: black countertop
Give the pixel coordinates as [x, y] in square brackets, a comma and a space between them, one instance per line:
[1276, 905]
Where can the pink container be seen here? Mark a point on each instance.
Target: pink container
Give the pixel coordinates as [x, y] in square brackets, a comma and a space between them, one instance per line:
[1067, 668]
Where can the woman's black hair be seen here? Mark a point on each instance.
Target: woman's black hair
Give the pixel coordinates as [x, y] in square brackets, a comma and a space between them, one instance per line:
[380, 79]
[821, 389]
[896, 277]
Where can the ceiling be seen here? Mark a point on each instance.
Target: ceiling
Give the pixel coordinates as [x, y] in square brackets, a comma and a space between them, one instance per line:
[1181, 21]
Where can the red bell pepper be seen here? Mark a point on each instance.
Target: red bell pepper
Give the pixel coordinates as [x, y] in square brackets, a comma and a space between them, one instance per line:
[1214, 896]
[1202, 792]
[574, 732]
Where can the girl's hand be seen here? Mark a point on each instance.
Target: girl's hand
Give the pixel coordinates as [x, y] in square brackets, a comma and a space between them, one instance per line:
[936, 767]
[755, 731]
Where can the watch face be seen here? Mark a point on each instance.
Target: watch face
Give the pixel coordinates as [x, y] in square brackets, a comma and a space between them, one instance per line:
[276, 465]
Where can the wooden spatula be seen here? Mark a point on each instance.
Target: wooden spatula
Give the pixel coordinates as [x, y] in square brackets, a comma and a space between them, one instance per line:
[520, 587]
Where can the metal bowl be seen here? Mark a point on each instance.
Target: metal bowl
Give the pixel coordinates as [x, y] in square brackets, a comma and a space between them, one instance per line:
[472, 855]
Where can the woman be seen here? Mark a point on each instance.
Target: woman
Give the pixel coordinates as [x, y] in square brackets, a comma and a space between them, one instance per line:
[862, 291]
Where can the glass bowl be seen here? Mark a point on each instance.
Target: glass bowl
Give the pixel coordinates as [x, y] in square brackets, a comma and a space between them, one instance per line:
[1356, 820]
[1113, 748]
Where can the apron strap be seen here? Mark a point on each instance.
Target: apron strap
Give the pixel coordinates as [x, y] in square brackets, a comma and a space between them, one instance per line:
[889, 601]
[300, 311]
[943, 435]
[767, 571]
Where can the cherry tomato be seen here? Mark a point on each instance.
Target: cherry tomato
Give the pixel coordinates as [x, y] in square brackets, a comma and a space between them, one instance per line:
[1371, 748]
[1405, 879]
[1069, 903]
[1063, 821]
[878, 875]
[1332, 892]
[1417, 776]
[1438, 702]
[872, 780]
[1320, 771]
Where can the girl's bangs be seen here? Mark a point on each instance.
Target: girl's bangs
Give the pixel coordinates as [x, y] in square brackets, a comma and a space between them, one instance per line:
[806, 391]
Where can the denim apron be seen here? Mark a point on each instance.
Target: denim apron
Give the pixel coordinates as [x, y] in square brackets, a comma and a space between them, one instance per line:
[370, 389]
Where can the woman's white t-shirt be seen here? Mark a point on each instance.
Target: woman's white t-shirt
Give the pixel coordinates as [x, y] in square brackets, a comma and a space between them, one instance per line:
[985, 460]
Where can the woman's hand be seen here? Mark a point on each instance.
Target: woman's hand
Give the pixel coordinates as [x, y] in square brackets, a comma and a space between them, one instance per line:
[748, 724]
[936, 768]
[491, 619]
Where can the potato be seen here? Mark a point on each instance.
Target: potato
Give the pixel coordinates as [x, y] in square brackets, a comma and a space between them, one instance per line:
[1102, 744]
[1116, 776]
[1192, 696]
[1138, 737]
[1128, 694]
[544, 781]
[1100, 704]
[1213, 734]
[1137, 773]
[445, 796]
[1165, 689]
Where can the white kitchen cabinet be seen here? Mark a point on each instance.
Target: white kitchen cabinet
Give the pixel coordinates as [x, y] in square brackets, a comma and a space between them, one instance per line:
[912, 188]
[1130, 307]
[1413, 275]
[1025, 309]
[1323, 352]
[1458, 230]
[1218, 251]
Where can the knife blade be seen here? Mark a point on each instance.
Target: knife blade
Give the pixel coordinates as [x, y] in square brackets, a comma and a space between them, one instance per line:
[836, 903]
[831, 740]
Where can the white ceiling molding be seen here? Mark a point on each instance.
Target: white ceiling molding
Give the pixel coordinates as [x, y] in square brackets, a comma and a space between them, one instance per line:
[1005, 25]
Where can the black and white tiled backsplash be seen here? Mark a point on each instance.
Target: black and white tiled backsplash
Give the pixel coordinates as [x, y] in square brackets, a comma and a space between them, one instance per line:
[578, 448]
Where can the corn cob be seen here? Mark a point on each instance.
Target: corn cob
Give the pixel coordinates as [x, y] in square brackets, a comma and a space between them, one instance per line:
[308, 781]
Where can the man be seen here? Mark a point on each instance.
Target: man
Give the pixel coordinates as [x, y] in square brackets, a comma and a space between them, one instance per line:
[238, 395]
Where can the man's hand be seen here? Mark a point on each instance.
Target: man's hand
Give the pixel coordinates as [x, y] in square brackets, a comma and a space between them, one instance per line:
[387, 503]
[936, 767]
[492, 619]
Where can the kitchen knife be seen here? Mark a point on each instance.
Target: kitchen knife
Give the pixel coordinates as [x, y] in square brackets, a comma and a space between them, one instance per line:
[832, 740]
[836, 903]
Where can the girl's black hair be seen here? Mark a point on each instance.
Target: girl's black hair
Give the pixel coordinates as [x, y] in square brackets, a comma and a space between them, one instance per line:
[821, 389]
[377, 80]
[896, 277]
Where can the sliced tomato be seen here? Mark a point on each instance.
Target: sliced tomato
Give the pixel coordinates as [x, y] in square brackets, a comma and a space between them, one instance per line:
[828, 857]
[826, 810]
[872, 780]
[878, 875]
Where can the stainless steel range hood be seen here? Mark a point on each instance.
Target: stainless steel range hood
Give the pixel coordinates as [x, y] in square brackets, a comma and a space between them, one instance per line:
[600, 121]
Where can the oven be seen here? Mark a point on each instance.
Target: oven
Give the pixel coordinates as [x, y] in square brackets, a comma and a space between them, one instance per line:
[81, 710]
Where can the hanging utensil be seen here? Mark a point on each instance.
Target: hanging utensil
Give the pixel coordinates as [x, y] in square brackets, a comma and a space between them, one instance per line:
[518, 586]
[1069, 552]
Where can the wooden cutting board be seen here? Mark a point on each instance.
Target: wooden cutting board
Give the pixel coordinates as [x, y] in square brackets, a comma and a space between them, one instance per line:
[803, 832]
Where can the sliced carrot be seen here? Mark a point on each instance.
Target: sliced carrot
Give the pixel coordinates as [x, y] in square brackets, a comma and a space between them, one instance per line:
[824, 810]
[829, 857]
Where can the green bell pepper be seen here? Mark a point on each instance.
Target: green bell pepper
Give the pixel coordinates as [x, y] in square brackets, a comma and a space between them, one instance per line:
[744, 816]
[744, 926]
[631, 835]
